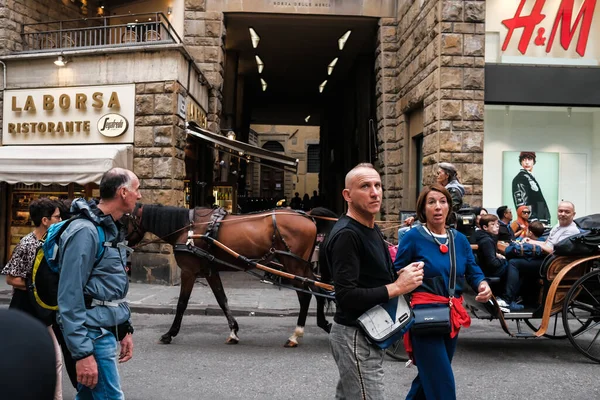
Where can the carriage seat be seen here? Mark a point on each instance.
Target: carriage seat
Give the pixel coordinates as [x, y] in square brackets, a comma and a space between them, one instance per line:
[492, 279]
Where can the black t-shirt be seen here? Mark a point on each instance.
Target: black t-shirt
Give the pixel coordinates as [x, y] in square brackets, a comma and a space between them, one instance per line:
[361, 266]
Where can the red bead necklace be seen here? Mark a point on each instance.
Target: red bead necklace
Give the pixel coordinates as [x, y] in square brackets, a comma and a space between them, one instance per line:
[443, 246]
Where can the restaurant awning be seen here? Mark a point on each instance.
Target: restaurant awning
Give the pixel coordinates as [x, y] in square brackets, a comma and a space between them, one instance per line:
[244, 150]
[61, 164]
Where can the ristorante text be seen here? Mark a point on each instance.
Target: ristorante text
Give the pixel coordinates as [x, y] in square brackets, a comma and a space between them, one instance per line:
[49, 103]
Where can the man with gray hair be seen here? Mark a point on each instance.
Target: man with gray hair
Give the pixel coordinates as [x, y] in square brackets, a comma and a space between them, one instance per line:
[565, 227]
[447, 177]
[93, 312]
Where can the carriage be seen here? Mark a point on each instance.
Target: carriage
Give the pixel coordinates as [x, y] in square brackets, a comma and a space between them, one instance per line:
[282, 242]
[563, 302]
[566, 305]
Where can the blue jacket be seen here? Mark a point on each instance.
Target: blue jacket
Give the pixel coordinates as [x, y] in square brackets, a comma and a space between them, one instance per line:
[417, 245]
[78, 277]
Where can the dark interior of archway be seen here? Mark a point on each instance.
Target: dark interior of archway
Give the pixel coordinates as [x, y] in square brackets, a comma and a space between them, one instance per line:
[296, 50]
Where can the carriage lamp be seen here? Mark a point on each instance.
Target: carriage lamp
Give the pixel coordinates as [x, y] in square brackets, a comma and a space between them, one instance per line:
[231, 135]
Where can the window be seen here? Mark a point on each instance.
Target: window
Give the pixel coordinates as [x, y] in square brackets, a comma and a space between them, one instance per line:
[413, 159]
[418, 163]
[272, 145]
[313, 163]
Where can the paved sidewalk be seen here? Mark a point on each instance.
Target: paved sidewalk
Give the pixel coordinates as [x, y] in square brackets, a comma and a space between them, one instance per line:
[245, 293]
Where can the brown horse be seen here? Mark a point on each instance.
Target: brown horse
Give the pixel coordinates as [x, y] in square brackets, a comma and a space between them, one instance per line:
[262, 236]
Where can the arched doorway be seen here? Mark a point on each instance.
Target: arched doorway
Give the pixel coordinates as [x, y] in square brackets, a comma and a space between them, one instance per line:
[272, 179]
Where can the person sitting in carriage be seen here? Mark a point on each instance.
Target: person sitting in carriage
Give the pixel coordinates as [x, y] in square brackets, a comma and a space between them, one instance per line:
[494, 264]
[527, 258]
[565, 227]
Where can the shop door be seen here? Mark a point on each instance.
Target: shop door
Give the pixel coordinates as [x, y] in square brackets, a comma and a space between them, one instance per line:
[271, 179]
[271, 182]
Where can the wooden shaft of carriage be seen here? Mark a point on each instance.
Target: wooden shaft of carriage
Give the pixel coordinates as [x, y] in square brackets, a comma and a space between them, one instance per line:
[263, 267]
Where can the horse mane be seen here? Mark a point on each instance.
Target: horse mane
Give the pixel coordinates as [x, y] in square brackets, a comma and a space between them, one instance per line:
[323, 212]
[162, 220]
[323, 226]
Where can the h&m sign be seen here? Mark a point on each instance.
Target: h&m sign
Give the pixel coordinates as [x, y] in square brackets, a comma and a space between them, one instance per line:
[547, 31]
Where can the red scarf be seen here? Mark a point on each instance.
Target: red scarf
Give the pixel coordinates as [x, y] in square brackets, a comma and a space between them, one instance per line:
[458, 316]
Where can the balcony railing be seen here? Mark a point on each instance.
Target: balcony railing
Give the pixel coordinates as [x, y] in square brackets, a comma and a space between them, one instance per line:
[114, 31]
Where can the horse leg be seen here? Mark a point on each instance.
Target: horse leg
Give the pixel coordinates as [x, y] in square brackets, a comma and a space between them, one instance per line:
[322, 321]
[187, 284]
[214, 280]
[304, 299]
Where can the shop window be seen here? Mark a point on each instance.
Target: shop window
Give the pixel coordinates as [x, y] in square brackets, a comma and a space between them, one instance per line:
[313, 163]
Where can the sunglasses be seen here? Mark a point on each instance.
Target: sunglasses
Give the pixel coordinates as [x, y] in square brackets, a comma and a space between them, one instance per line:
[526, 212]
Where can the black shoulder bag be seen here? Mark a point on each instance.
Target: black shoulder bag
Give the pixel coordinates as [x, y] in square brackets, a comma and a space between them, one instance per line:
[435, 320]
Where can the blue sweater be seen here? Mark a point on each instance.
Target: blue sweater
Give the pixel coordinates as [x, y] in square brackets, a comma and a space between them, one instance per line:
[418, 245]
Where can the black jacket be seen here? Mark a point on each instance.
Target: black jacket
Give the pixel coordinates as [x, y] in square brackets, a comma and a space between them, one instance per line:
[490, 264]
[527, 191]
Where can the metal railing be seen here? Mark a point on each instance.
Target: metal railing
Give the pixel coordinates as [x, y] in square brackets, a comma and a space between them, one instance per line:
[113, 31]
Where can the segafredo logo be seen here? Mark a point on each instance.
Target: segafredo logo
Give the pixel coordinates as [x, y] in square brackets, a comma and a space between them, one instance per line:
[112, 125]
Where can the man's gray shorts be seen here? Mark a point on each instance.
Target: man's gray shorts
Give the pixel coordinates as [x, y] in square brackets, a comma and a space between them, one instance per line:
[360, 364]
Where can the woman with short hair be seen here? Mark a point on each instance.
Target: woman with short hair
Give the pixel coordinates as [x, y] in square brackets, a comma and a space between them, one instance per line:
[429, 243]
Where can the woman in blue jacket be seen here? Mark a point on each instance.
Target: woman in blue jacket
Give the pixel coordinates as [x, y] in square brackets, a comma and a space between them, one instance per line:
[429, 243]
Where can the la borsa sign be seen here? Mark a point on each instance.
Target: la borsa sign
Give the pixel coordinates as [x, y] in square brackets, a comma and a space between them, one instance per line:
[544, 31]
[70, 115]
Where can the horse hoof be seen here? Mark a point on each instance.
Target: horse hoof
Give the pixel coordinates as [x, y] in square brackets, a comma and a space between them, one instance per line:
[290, 344]
[231, 341]
[165, 339]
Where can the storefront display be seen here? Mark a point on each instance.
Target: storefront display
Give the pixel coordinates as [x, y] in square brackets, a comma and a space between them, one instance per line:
[22, 195]
[566, 143]
[226, 197]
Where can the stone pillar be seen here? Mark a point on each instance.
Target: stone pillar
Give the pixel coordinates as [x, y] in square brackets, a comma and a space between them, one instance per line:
[386, 91]
[438, 59]
[204, 37]
[159, 163]
[461, 104]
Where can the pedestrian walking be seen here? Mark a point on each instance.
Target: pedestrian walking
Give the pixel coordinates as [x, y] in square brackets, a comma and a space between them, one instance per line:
[362, 271]
[93, 313]
[43, 213]
[430, 243]
[28, 358]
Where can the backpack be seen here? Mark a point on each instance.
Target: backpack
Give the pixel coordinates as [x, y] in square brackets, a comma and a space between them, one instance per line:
[519, 249]
[583, 244]
[42, 285]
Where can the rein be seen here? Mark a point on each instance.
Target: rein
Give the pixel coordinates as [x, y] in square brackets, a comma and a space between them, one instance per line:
[192, 225]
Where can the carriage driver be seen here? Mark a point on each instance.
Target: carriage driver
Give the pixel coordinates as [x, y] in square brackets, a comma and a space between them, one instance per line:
[364, 277]
[92, 311]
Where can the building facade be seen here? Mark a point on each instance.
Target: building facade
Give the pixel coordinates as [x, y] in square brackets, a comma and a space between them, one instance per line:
[402, 84]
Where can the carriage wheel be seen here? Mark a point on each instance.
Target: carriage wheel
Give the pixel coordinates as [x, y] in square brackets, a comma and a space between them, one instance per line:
[583, 311]
[396, 351]
[555, 326]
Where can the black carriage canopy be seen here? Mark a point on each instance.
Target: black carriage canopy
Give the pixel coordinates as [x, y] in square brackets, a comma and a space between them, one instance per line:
[245, 151]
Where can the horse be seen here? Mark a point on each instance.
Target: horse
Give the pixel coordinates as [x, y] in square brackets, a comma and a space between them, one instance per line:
[283, 233]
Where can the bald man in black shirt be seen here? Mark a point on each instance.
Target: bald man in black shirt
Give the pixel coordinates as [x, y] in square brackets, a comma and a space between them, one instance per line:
[364, 277]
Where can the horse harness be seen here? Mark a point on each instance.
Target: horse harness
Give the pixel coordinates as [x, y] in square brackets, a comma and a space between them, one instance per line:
[212, 228]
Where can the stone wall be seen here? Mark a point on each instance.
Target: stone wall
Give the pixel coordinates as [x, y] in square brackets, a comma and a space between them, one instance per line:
[159, 163]
[15, 13]
[204, 37]
[432, 57]
[461, 104]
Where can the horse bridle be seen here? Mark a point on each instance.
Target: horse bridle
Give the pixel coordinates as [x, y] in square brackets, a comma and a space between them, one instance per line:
[132, 219]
